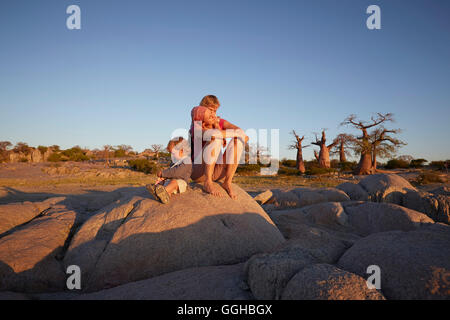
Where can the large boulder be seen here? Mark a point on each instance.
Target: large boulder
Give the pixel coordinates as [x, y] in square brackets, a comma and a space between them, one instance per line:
[386, 187]
[326, 282]
[303, 196]
[414, 264]
[29, 256]
[348, 220]
[366, 218]
[15, 214]
[195, 229]
[354, 191]
[92, 238]
[436, 206]
[202, 283]
[268, 274]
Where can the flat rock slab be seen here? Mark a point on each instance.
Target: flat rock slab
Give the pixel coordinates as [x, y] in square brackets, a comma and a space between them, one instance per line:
[203, 283]
[195, 229]
[15, 214]
[28, 255]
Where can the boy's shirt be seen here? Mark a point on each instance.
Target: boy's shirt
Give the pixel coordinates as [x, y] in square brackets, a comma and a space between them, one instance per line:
[181, 169]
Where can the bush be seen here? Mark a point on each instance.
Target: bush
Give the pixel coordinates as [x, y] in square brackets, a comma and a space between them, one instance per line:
[75, 154]
[42, 149]
[246, 169]
[23, 159]
[54, 157]
[439, 165]
[289, 163]
[288, 171]
[397, 163]
[347, 166]
[417, 163]
[143, 165]
[429, 177]
[318, 170]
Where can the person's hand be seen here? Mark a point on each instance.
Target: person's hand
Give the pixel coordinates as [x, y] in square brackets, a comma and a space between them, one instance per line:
[159, 180]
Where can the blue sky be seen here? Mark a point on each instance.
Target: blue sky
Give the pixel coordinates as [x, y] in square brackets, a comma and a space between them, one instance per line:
[136, 68]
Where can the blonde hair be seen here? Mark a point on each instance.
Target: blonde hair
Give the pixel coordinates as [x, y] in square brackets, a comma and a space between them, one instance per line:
[210, 101]
[172, 143]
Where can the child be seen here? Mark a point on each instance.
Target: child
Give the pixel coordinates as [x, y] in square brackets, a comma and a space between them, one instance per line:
[174, 179]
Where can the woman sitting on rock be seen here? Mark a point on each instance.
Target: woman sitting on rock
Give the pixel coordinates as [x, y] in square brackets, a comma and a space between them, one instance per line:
[208, 134]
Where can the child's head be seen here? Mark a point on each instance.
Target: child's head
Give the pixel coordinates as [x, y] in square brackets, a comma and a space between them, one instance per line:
[210, 102]
[177, 147]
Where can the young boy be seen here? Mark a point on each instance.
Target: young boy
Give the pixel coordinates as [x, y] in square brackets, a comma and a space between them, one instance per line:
[174, 179]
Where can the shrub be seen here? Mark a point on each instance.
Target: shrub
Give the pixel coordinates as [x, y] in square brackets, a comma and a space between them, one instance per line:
[397, 163]
[289, 163]
[347, 166]
[120, 153]
[75, 154]
[439, 165]
[143, 165]
[429, 177]
[417, 163]
[244, 169]
[54, 157]
[23, 159]
[288, 171]
[42, 149]
[318, 170]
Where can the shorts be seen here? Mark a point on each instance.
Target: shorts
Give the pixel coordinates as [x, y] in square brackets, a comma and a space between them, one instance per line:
[182, 185]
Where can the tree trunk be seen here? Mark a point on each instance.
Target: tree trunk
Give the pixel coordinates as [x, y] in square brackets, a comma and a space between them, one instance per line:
[364, 165]
[342, 157]
[324, 157]
[300, 163]
[374, 159]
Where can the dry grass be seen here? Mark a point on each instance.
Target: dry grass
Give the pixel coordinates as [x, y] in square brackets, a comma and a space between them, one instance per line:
[134, 181]
[269, 182]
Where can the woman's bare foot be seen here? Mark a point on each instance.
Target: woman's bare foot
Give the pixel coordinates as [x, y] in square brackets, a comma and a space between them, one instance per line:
[209, 187]
[229, 190]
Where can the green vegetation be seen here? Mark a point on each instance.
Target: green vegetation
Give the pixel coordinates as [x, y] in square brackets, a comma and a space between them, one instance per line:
[144, 165]
[74, 154]
[42, 149]
[54, 157]
[397, 164]
[417, 163]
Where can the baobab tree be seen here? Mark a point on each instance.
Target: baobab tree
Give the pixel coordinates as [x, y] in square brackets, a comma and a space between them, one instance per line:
[324, 154]
[300, 165]
[106, 149]
[344, 142]
[156, 148]
[377, 142]
[4, 145]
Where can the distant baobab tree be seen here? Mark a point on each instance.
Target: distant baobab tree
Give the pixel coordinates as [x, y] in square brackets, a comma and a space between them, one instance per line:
[157, 148]
[106, 149]
[344, 142]
[300, 165]
[378, 142]
[324, 154]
